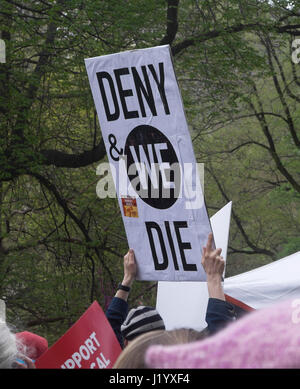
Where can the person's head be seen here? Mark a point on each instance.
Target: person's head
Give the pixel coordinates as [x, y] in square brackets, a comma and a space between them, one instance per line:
[16, 347]
[139, 321]
[8, 347]
[33, 345]
[268, 338]
[132, 357]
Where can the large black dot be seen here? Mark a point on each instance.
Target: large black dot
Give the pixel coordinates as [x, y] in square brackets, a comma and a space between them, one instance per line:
[147, 144]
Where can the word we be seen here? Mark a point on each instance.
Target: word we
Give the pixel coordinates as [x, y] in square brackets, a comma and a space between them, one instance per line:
[146, 184]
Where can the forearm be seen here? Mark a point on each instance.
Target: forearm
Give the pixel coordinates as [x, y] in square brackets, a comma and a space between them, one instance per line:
[122, 294]
[215, 287]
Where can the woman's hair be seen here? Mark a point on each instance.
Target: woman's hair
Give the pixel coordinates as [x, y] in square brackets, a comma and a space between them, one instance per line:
[8, 347]
[132, 357]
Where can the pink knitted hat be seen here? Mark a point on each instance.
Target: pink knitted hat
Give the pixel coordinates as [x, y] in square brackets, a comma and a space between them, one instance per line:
[268, 338]
[34, 345]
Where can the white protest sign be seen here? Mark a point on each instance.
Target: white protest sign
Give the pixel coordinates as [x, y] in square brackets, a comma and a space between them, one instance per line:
[152, 161]
[183, 305]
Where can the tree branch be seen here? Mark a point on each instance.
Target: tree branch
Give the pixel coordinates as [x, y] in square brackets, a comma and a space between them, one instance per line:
[267, 43]
[238, 222]
[172, 23]
[240, 146]
[240, 251]
[61, 159]
[272, 149]
[40, 321]
[291, 29]
[61, 201]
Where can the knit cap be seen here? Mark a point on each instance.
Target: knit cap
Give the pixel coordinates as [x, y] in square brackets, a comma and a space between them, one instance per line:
[140, 320]
[268, 338]
[32, 344]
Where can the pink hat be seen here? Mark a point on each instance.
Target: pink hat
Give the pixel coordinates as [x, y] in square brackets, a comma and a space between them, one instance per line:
[268, 338]
[32, 345]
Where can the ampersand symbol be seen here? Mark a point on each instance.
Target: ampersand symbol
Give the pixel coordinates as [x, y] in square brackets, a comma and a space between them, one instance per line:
[113, 142]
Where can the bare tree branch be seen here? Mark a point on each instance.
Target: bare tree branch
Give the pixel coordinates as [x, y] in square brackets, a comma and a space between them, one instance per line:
[205, 36]
[61, 159]
[255, 248]
[62, 202]
[272, 149]
[172, 23]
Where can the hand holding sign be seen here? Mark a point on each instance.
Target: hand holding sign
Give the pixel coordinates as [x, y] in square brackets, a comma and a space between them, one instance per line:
[214, 265]
[130, 268]
[212, 262]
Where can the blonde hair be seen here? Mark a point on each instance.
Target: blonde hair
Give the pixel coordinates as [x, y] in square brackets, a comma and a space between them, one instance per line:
[132, 357]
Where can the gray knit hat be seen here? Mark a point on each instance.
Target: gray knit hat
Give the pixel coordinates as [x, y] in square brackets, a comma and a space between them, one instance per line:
[140, 320]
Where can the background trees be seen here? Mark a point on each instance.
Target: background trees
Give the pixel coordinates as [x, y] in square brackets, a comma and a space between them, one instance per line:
[62, 246]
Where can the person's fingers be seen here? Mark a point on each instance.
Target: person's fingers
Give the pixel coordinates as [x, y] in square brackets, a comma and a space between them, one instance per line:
[220, 258]
[25, 363]
[19, 365]
[220, 263]
[29, 363]
[216, 253]
[131, 257]
[209, 242]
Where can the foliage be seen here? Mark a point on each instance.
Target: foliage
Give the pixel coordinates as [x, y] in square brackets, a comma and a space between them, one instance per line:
[62, 246]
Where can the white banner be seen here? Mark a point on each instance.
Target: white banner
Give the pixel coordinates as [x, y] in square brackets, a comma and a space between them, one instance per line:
[266, 285]
[152, 161]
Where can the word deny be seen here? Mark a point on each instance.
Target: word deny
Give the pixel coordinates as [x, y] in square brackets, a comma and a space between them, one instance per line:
[109, 86]
[85, 352]
[154, 229]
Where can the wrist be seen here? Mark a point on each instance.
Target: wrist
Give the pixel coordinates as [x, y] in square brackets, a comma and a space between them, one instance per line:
[127, 282]
[214, 278]
[124, 288]
[215, 290]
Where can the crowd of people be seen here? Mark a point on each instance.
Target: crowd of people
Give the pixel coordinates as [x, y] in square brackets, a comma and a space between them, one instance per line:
[266, 338]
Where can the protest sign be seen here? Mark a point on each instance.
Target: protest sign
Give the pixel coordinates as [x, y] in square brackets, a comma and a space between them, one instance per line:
[89, 344]
[152, 161]
[183, 305]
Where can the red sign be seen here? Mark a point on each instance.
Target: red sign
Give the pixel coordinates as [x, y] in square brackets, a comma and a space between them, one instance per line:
[89, 344]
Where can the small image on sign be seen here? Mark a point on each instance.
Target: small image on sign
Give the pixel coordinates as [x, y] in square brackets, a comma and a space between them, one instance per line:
[130, 207]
